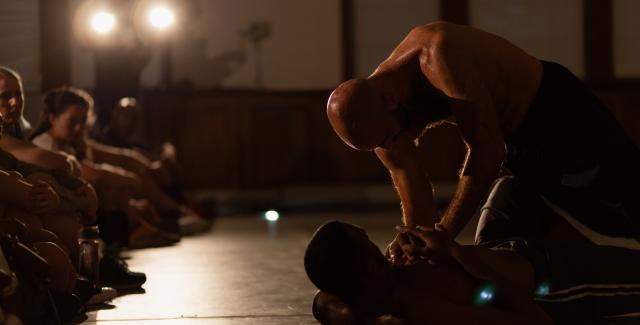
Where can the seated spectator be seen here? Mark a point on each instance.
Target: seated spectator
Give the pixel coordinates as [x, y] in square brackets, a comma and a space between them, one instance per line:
[62, 126]
[122, 134]
[13, 139]
[34, 278]
[77, 197]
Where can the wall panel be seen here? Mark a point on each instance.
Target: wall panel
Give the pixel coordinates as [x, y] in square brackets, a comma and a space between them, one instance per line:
[626, 38]
[547, 29]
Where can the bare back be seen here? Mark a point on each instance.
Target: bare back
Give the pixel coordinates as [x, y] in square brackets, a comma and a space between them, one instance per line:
[463, 62]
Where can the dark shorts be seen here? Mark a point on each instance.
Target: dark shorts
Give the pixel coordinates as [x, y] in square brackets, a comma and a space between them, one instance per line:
[571, 150]
[575, 283]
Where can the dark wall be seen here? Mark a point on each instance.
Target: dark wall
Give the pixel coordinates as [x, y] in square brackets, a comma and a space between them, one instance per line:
[623, 100]
[245, 139]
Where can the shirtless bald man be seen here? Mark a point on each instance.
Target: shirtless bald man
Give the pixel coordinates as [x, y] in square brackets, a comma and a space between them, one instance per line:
[533, 118]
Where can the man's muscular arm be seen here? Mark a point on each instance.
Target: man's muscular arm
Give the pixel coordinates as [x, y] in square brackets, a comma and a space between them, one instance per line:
[414, 189]
[452, 68]
[409, 179]
[513, 293]
[485, 152]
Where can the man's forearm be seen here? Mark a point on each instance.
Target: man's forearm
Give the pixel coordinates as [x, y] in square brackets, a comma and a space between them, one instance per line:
[416, 197]
[409, 179]
[477, 177]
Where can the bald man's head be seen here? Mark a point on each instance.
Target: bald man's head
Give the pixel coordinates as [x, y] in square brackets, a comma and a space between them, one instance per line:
[355, 109]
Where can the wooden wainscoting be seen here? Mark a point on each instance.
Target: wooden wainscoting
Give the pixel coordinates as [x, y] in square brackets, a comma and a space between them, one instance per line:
[251, 139]
[248, 139]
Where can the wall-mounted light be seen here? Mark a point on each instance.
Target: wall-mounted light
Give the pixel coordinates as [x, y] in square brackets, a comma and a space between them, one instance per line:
[161, 17]
[103, 22]
[136, 21]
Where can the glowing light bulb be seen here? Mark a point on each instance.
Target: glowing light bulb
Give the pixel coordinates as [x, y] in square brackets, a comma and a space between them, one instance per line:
[161, 17]
[272, 215]
[103, 22]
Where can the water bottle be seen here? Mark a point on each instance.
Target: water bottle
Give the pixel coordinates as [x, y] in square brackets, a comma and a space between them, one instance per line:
[90, 253]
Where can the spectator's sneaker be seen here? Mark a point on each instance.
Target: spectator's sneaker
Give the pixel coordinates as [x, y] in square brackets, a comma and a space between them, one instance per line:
[145, 237]
[115, 273]
[68, 306]
[102, 295]
[191, 224]
[84, 289]
[206, 209]
[169, 222]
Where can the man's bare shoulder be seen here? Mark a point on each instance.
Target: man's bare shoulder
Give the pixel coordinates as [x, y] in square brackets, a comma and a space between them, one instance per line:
[430, 35]
[417, 44]
[433, 29]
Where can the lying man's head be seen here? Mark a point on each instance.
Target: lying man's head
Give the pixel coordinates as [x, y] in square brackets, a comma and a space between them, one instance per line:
[342, 261]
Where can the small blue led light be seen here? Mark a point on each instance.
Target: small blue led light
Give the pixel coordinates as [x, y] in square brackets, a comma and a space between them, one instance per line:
[543, 289]
[485, 295]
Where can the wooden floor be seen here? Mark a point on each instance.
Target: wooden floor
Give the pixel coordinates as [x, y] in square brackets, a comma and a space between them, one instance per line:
[245, 271]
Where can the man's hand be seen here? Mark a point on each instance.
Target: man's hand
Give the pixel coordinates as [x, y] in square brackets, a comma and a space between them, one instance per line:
[431, 244]
[395, 253]
[42, 198]
[161, 173]
[90, 203]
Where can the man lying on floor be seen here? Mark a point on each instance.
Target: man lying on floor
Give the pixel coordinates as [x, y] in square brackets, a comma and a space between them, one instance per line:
[510, 277]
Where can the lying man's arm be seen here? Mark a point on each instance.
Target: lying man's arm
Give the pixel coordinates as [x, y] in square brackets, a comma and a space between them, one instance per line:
[513, 286]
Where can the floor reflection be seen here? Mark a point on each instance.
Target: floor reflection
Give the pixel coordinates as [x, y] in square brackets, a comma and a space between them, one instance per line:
[247, 270]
